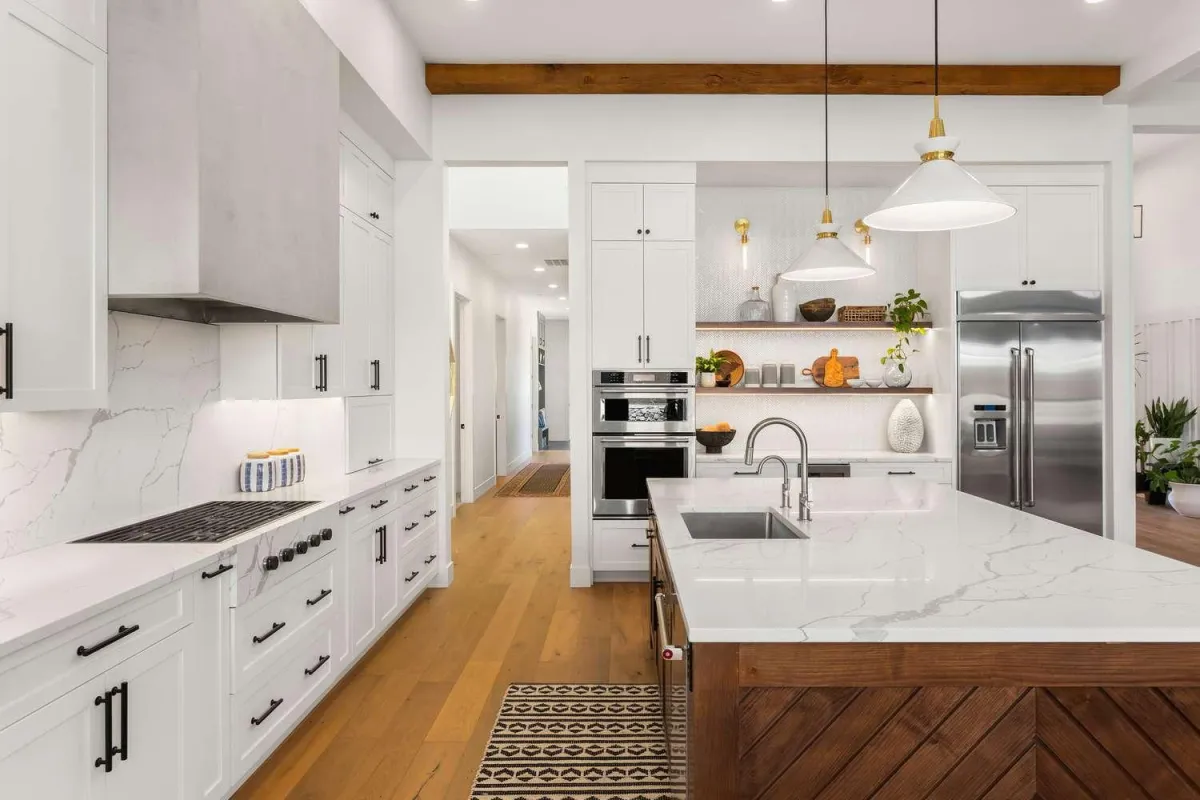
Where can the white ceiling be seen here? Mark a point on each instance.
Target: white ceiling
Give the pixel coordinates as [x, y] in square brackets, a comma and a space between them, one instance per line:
[762, 31]
[497, 250]
[793, 173]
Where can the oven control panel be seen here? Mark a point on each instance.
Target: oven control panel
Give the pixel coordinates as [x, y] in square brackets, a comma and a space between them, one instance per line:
[616, 378]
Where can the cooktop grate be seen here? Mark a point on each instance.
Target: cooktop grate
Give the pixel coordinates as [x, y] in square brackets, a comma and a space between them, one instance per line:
[206, 523]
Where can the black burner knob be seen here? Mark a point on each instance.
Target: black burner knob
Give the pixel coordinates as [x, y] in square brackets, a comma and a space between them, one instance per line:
[301, 547]
[270, 563]
[286, 554]
[327, 533]
[314, 540]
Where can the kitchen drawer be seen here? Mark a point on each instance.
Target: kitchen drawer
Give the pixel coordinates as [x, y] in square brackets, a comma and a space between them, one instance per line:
[46, 670]
[418, 565]
[292, 684]
[265, 629]
[620, 545]
[933, 471]
[418, 516]
[258, 578]
[372, 505]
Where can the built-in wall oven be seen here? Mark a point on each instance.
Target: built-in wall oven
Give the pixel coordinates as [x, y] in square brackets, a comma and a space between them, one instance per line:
[643, 427]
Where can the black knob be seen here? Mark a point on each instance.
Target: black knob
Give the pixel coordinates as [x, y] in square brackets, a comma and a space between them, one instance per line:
[1024, 283]
[1033, 283]
[314, 540]
[270, 563]
[327, 533]
[301, 546]
[639, 231]
[647, 231]
[286, 554]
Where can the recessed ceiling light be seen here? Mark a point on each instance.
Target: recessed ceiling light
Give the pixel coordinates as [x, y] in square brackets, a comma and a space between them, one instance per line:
[539, 269]
[554, 286]
[522, 246]
[1093, 2]
[562, 298]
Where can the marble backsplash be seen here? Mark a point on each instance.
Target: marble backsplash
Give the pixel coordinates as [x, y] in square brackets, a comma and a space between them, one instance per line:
[164, 439]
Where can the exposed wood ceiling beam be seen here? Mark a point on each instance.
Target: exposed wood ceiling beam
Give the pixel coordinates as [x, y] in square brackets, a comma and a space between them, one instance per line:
[888, 79]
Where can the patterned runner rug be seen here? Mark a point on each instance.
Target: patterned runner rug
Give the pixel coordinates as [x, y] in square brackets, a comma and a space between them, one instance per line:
[576, 742]
[539, 480]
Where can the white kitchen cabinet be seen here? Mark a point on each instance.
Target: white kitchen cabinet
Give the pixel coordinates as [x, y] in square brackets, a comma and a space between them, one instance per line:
[310, 361]
[669, 212]
[368, 310]
[617, 212]
[932, 471]
[381, 314]
[668, 308]
[617, 301]
[88, 18]
[620, 545]
[356, 178]
[1052, 243]
[53, 208]
[370, 432]
[381, 202]
[1063, 227]
[209, 682]
[363, 568]
[387, 584]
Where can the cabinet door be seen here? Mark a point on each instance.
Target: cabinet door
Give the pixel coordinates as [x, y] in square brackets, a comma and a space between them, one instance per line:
[382, 203]
[387, 581]
[1064, 237]
[382, 315]
[362, 571]
[617, 212]
[356, 179]
[208, 683]
[299, 372]
[670, 212]
[88, 18]
[53, 214]
[669, 310]
[327, 342]
[370, 433]
[617, 335]
[154, 736]
[51, 754]
[993, 257]
[356, 305]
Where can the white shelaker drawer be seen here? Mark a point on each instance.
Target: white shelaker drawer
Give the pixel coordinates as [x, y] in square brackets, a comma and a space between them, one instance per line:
[418, 565]
[372, 505]
[933, 471]
[620, 545]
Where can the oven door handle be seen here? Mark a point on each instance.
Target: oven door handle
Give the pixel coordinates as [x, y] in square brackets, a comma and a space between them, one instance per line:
[648, 391]
[643, 441]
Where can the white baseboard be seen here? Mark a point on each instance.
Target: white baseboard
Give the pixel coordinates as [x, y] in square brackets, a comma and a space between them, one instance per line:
[484, 487]
[444, 578]
[581, 577]
[518, 463]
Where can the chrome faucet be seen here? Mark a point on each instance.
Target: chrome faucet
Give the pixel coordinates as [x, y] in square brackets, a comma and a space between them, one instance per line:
[805, 512]
[786, 502]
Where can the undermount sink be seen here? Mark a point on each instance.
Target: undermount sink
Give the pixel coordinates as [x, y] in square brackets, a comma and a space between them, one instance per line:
[740, 525]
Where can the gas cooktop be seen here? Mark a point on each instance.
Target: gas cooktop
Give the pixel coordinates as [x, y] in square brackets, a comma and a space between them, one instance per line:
[206, 523]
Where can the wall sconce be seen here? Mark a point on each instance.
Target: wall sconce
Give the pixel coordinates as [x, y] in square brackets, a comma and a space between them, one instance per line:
[864, 230]
[742, 226]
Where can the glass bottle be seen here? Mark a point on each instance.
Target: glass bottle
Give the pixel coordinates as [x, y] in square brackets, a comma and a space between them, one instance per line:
[755, 309]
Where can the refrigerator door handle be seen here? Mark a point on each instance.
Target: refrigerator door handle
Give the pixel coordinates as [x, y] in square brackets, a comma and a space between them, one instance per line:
[1016, 438]
[1027, 421]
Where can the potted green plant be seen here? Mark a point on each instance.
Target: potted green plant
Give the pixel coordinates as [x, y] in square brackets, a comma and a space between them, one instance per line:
[1183, 481]
[1141, 452]
[706, 368]
[1167, 423]
[1159, 472]
[906, 313]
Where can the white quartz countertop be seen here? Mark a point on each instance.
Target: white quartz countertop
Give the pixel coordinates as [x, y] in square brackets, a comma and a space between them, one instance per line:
[46, 590]
[903, 560]
[735, 456]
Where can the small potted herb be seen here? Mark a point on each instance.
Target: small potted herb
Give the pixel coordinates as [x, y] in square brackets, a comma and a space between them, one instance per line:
[706, 368]
[1167, 424]
[906, 313]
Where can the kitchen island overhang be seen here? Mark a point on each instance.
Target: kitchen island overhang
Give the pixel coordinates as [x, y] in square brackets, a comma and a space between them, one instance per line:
[962, 665]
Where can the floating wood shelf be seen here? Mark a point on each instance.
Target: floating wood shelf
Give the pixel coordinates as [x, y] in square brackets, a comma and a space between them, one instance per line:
[815, 390]
[800, 326]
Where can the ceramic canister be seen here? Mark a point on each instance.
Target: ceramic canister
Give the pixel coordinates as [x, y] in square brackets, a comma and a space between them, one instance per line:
[299, 464]
[283, 470]
[257, 473]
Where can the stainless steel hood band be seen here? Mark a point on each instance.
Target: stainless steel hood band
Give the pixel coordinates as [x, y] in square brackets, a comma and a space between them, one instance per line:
[1030, 306]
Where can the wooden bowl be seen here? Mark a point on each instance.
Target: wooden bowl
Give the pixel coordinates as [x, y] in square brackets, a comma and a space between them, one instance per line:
[818, 310]
[713, 441]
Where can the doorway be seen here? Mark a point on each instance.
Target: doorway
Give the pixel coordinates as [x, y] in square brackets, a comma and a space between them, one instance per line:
[463, 395]
[557, 382]
[501, 396]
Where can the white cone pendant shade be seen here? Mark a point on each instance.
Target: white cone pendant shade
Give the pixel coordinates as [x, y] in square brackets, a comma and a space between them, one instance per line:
[940, 195]
[828, 259]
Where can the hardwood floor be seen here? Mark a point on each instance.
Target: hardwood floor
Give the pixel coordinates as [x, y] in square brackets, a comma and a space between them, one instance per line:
[1161, 530]
[413, 718]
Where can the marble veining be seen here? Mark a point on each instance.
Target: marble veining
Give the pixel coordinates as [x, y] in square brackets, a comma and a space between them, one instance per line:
[734, 455]
[902, 560]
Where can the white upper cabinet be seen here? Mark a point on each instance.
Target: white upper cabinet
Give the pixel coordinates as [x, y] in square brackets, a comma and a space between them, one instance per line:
[382, 314]
[88, 18]
[669, 310]
[370, 432]
[1064, 237]
[669, 212]
[368, 310]
[53, 213]
[618, 336]
[381, 202]
[617, 212]
[1052, 243]
[366, 188]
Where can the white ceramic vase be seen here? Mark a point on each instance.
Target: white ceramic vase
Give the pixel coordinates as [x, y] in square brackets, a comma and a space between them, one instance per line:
[783, 299]
[906, 429]
[708, 379]
[1185, 498]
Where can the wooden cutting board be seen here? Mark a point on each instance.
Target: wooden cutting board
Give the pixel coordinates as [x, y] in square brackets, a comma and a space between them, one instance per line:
[849, 368]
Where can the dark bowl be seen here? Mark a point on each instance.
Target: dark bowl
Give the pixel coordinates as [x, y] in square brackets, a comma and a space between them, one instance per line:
[818, 310]
[713, 441]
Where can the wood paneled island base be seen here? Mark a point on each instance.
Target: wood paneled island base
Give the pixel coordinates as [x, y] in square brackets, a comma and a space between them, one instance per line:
[956, 721]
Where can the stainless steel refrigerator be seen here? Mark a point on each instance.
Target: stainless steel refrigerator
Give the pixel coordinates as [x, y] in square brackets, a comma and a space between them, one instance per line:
[1031, 403]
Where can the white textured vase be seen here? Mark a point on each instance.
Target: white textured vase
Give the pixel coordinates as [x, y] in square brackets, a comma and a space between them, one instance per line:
[1185, 498]
[783, 300]
[906, 429]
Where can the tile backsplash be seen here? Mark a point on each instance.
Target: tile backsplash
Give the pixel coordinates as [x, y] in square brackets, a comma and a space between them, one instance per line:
[164, 439]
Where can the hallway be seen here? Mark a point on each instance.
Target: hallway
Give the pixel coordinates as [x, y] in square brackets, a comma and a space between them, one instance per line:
[413, 718]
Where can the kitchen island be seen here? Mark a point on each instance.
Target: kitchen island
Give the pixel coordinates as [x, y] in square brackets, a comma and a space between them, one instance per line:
[920, 643]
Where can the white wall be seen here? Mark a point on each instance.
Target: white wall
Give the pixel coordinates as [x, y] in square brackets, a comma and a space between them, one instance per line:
[1166, 260]
[558, 361]
[508, 198]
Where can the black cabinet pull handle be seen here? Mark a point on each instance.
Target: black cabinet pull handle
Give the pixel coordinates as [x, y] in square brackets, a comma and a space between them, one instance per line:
[7, 389]
[639, 349]
[377, 366]
[256, 721]
[637, 546]
[410, 527]
[123, 690]
[374, 461]
[106, 759]
[380, 504]
[310, 671]
[220, 570]
[317, 386]
[430, 478]
[910, 472]
[276, 628]
[410, 577]
[431, 559]
[410, 488]
[432, 511]
[346, 510]
[121, 633]
[324, 593]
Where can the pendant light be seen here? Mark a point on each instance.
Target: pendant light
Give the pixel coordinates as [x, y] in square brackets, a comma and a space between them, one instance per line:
[940, 195]
[829, 259]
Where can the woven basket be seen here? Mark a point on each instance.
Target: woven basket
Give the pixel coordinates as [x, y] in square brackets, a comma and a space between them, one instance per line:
[862, 313]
